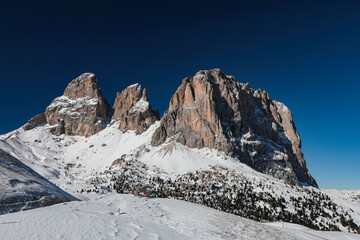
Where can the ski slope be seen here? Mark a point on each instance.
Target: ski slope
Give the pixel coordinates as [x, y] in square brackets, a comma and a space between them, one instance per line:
[73, 163]
[118, 216]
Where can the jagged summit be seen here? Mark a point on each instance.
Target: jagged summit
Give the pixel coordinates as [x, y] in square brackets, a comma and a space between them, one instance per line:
[211, 147]
[81, 110]
[210, 109]
[85, 85]
[213, 75]
[213, 110]
[133, 110]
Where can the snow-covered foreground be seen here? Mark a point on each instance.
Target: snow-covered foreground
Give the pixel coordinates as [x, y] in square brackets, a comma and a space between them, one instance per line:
[77, 164]
[117, 216]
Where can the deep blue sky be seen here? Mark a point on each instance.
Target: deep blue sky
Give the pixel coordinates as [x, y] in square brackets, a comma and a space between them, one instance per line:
[304, 53]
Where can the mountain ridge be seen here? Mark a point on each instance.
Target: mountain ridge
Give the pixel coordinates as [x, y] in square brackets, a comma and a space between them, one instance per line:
[210, 110]
[117, 161]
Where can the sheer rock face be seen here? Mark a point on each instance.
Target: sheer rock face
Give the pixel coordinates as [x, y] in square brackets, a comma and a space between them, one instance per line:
[133, 110]
[213, 110]
[82, 110]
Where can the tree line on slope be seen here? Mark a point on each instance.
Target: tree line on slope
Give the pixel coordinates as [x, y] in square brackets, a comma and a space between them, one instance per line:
[231, 192]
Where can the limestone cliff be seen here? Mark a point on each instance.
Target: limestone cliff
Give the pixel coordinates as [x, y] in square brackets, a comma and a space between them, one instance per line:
[133, 110]
[81, 110]
[213, 110]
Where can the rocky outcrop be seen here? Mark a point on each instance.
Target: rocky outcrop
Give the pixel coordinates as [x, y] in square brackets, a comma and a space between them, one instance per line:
[133, 110]
[81, 110]
[35, 121]
[213, 110]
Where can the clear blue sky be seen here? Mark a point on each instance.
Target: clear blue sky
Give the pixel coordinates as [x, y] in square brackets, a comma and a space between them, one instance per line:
[304, 53]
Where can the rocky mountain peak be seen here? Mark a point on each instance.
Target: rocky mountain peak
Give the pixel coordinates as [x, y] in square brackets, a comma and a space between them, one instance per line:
[81, 110]
[213, 110]
[85, 85]
[213, 75]
[125, 100]
[210, 109]
[133, 110]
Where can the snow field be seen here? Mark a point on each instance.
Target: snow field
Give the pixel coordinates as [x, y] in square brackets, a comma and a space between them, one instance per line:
[145, 218]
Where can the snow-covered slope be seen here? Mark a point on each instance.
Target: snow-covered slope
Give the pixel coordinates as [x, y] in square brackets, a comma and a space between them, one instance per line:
[22, 188]
[68, 161]
[83, 164]
[118, 216]
[349, 199]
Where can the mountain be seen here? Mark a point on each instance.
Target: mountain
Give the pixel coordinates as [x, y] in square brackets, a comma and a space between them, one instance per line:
[81, 110]
[22, 188]
[209, 110]
[220, 144]
[213, 110]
